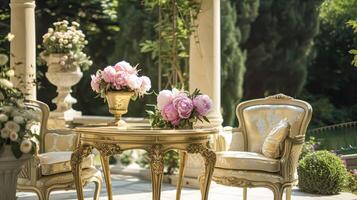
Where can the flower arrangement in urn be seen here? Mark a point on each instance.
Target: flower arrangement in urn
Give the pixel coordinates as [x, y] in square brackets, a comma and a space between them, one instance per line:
[179, 109]
[65, 45]
[63, 52]
[15, 118]
[118, 84]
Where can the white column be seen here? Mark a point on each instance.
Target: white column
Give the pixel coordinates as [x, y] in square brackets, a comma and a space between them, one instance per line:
[205, 57]
[23, 46]
[205, 73]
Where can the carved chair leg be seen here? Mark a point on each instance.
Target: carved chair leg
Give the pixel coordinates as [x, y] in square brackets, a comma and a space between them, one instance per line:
[245, 191]
[98, 187]
[278, 192]
[40, 194]
[47, 194]
[288, 193]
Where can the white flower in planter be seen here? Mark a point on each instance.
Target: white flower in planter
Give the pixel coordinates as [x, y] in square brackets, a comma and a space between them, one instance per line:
[5, 133]
[12, 126]
[19, 119]
[3, 118]
[13, 136]
[26, 146]
[6, 83]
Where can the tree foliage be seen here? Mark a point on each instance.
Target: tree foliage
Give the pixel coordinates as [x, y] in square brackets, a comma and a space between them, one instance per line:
[331, 75]
[233, 58]
[278, 47]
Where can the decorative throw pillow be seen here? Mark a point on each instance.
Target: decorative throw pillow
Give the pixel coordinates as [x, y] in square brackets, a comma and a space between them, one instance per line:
[275, 139]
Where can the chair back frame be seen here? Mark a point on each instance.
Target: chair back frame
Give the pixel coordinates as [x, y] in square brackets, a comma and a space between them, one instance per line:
[278, 99]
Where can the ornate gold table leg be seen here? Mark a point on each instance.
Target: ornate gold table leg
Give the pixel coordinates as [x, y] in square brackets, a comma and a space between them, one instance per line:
[156, 154]
[106, 171]
[76, 160]
[183, 160]
[210, 161]
[105, 151]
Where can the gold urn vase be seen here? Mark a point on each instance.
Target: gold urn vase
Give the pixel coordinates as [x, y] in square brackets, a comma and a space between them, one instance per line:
[118, 103]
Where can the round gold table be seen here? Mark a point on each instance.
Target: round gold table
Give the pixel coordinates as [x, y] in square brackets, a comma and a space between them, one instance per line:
[112, 140]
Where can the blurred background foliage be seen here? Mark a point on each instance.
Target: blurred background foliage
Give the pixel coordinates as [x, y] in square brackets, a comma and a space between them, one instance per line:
[298, 47]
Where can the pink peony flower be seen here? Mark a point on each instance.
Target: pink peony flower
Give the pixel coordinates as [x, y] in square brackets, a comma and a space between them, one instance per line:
[164, 98]
[125, 66]
[183, 105]
[108, 74]
[134, 82]
[145, 84]
[169, 113]
[176, 93]
[95, 83]
[120, 80]
[203, 104]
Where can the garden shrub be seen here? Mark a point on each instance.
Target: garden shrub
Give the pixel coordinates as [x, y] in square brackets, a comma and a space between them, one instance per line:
[321, 172]
[351, 181]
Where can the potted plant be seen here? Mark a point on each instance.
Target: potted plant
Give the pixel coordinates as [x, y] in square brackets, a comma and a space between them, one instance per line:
[117, 85]
[180, 109]
[63, 52]
[16, 138]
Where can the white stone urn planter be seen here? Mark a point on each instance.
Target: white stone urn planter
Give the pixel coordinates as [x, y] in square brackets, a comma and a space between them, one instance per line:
[63, 78]
[9, 169]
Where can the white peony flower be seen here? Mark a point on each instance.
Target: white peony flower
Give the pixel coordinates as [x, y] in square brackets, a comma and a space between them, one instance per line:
[164, 98]
[52, 38]
[3, 118]
[13, 126]
[50, 30]
[134, 82]
[5, 133]
[26, 146]
[13, 136]
[19, 119]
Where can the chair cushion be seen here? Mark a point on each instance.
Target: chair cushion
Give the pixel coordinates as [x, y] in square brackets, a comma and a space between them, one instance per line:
[275, 140]
[57, 142]
[59, 162]
[241, 160]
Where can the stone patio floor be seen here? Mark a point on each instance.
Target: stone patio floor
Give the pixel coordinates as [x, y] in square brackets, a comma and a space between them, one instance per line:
[132, 188]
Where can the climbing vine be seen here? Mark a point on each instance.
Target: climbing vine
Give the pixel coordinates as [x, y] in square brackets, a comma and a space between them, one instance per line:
[170, 50]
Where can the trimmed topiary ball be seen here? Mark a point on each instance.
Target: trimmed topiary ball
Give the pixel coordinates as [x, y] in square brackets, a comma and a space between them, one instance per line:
[321, 172]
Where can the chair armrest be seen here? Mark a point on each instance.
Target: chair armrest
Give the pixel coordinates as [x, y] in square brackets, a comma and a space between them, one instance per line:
[289, 160]
[228, 139]
[31, 170]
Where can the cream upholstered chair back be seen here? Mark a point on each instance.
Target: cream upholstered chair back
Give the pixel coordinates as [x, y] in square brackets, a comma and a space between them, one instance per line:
[258, 117]
[51, 140]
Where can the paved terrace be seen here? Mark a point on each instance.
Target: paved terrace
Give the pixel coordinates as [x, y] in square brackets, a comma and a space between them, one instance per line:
[132, 188]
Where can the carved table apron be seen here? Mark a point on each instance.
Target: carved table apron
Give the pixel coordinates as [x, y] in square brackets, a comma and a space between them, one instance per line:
[112, 140]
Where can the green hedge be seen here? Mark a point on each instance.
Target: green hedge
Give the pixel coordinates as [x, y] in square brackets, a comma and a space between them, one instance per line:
[321, 172]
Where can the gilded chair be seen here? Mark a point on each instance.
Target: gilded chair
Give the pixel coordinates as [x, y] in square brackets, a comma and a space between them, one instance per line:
[251, 167]
[50, 168]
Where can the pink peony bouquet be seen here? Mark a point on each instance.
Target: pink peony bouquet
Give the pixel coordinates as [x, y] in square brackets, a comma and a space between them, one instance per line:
[179, 109]
[120, 77]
